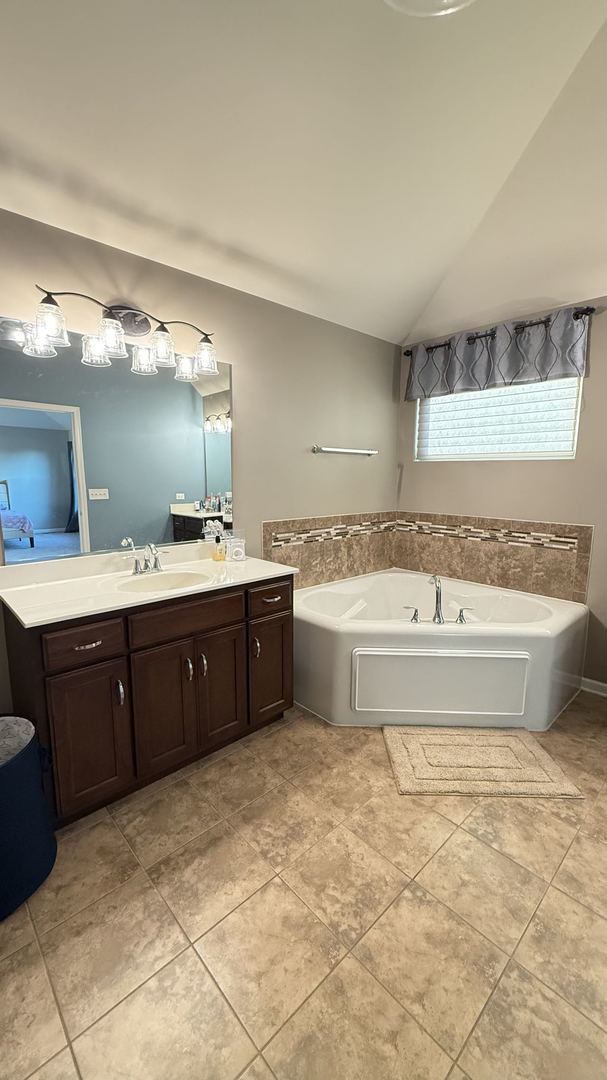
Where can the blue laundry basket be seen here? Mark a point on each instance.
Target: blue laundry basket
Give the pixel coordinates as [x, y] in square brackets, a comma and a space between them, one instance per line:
[27, 842]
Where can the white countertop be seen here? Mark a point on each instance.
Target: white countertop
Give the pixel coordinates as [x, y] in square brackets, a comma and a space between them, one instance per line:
[39, 602]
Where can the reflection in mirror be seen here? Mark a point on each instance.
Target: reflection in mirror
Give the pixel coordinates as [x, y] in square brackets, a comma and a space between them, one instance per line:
[90, 455]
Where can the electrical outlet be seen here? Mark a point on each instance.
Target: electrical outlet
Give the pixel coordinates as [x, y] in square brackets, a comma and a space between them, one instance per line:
[98, 493]
[180, 496]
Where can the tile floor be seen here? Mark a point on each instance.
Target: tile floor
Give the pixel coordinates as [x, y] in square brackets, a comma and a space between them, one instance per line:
[281, 912]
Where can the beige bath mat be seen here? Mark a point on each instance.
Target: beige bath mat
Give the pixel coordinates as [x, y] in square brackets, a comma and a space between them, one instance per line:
[473, 761]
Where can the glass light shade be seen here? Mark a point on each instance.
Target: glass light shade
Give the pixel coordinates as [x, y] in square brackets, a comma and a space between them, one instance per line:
[229, 424]
[112, 335]
[93, 352]
[219, 425]
[206, 358]
[208, 426]
[36, 343]
[185, 368]
[424, 9]
[144, 360]
[50, 322]
[162, 342]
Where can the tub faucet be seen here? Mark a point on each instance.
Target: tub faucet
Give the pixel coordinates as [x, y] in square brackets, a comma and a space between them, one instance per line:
[438, 608]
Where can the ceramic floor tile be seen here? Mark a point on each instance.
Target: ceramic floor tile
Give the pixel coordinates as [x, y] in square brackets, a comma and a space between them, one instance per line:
[341, 787]
[258, 1071]
[177, 1025]
[454, 807]
[209, 877]
[595, 822]
[565, 946]
[90, 863]
[417, 938]
[489, 891]
[174, 815]
[457, 1074]
[267, 956]
[528, 1033]
[103, 953]
[83, 823]
[583, 873]
[402, 829]
[143, 793]
[60, 1068]
[283, 823]
[292, 748]
[529, 834]
[345, 882]
[352, 1029]
[30, 1028]
[234, 781]
[16, 930]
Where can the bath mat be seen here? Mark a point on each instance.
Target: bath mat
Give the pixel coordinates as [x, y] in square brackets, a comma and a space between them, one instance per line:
[473, 761]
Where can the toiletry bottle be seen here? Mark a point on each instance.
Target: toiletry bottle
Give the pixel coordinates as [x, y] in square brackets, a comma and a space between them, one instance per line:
[219, 551]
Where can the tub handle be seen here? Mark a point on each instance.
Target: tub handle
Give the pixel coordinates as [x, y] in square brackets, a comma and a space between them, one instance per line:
[415, 616]
[461, 617]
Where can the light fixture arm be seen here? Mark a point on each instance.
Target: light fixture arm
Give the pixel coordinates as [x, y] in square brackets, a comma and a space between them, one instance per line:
[206, 336]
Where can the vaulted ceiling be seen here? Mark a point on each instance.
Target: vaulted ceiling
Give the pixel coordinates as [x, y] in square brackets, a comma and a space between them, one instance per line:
[331, 155]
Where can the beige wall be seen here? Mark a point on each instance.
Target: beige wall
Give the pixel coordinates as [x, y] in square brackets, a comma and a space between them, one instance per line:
[564, 491]
[297, 380]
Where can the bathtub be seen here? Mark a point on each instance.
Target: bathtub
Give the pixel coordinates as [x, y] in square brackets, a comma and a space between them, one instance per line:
[359, 660]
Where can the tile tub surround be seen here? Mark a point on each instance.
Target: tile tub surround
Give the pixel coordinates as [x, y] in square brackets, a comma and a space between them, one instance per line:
[548, 558]
[300, 936]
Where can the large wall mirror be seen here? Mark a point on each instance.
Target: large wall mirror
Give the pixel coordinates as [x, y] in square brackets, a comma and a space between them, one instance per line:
[90, 455]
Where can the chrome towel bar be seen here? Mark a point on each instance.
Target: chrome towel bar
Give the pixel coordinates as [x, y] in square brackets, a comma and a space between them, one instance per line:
[342, 450]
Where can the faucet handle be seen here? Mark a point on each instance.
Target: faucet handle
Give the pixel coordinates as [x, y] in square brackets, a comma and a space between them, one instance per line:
[415, 616]
[461, 617]
[127, 542]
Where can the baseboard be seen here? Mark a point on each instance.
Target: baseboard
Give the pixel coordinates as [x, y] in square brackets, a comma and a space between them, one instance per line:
[593, 686]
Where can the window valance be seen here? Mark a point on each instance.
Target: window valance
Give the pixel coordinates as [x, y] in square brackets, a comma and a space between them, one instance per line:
[551, 347]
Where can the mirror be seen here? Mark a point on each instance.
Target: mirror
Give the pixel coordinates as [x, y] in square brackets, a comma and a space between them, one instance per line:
[90, 455]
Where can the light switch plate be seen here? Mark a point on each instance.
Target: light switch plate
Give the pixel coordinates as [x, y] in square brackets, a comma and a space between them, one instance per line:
[180, 496]
[99, 493]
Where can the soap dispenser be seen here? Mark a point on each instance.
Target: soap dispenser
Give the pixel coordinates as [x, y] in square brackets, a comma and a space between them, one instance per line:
[219, 551]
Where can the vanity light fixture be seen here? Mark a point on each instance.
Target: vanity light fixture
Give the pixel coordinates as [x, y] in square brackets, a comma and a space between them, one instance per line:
[48, 332]
[218, 424]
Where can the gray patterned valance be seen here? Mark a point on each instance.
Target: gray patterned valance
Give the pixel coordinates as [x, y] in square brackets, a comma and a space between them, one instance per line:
[553, 347]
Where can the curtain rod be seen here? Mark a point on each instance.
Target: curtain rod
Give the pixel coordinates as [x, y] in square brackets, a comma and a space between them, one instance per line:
[578, 313]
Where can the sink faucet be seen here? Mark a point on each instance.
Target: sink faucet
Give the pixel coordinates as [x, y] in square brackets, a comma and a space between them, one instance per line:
[438, 608]
[128, 542]
[152, 559]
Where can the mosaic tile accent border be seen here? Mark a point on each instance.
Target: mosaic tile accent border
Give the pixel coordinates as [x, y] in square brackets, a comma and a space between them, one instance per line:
[517, 537]
[334, 532]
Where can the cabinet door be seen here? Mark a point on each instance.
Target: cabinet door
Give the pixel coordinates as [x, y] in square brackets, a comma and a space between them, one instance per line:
[90, 715]
[164, 706]
[270, 667]
[222, 685]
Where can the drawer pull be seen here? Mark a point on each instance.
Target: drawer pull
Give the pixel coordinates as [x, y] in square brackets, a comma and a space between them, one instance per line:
[256, 648]
[205, 666]
[89, 645]
[271, 599]
[189, 668]
[120, 689]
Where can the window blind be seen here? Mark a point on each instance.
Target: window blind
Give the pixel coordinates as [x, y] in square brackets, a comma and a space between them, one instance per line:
[534, 420]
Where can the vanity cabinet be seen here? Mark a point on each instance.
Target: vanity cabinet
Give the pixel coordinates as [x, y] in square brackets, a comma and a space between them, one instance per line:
[124, 698]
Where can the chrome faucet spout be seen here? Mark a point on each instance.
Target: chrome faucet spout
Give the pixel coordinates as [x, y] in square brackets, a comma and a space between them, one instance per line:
[438, 606]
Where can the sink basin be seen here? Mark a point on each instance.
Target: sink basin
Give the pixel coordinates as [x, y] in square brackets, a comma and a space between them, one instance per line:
[164, 581]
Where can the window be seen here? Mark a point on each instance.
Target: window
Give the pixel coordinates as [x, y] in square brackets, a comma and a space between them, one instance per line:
[535, 420]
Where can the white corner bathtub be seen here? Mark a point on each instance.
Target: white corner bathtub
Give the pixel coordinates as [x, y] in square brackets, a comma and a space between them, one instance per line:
[360, 660]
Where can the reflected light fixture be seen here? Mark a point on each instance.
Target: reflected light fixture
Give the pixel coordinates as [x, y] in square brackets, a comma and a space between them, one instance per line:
[48, 332]
[424, 9]
[218, 424]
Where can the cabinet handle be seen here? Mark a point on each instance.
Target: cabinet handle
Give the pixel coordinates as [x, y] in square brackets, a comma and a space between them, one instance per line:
[120, 689]
[205, 666]
[271, 599]
[90, 645]
[189, 668]
[256, 648]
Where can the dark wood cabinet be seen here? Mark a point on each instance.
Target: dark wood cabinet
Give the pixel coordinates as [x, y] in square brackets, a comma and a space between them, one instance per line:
[221, 660]
[164, 707]
[90, 715]
[270, 667]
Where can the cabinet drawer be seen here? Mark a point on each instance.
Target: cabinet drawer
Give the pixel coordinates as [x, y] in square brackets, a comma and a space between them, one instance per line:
[87, 644]
[269, 599]
[184, 620]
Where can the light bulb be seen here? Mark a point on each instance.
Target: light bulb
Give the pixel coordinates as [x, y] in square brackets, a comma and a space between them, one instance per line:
[163, 344]
[426, 8]
[93, 352]
[185, 369]
[50, 322]
[112, 335]
[144, 360]
[208, 426]
[36, 343]
[206, 357]
[229, 423]
[219, 426]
